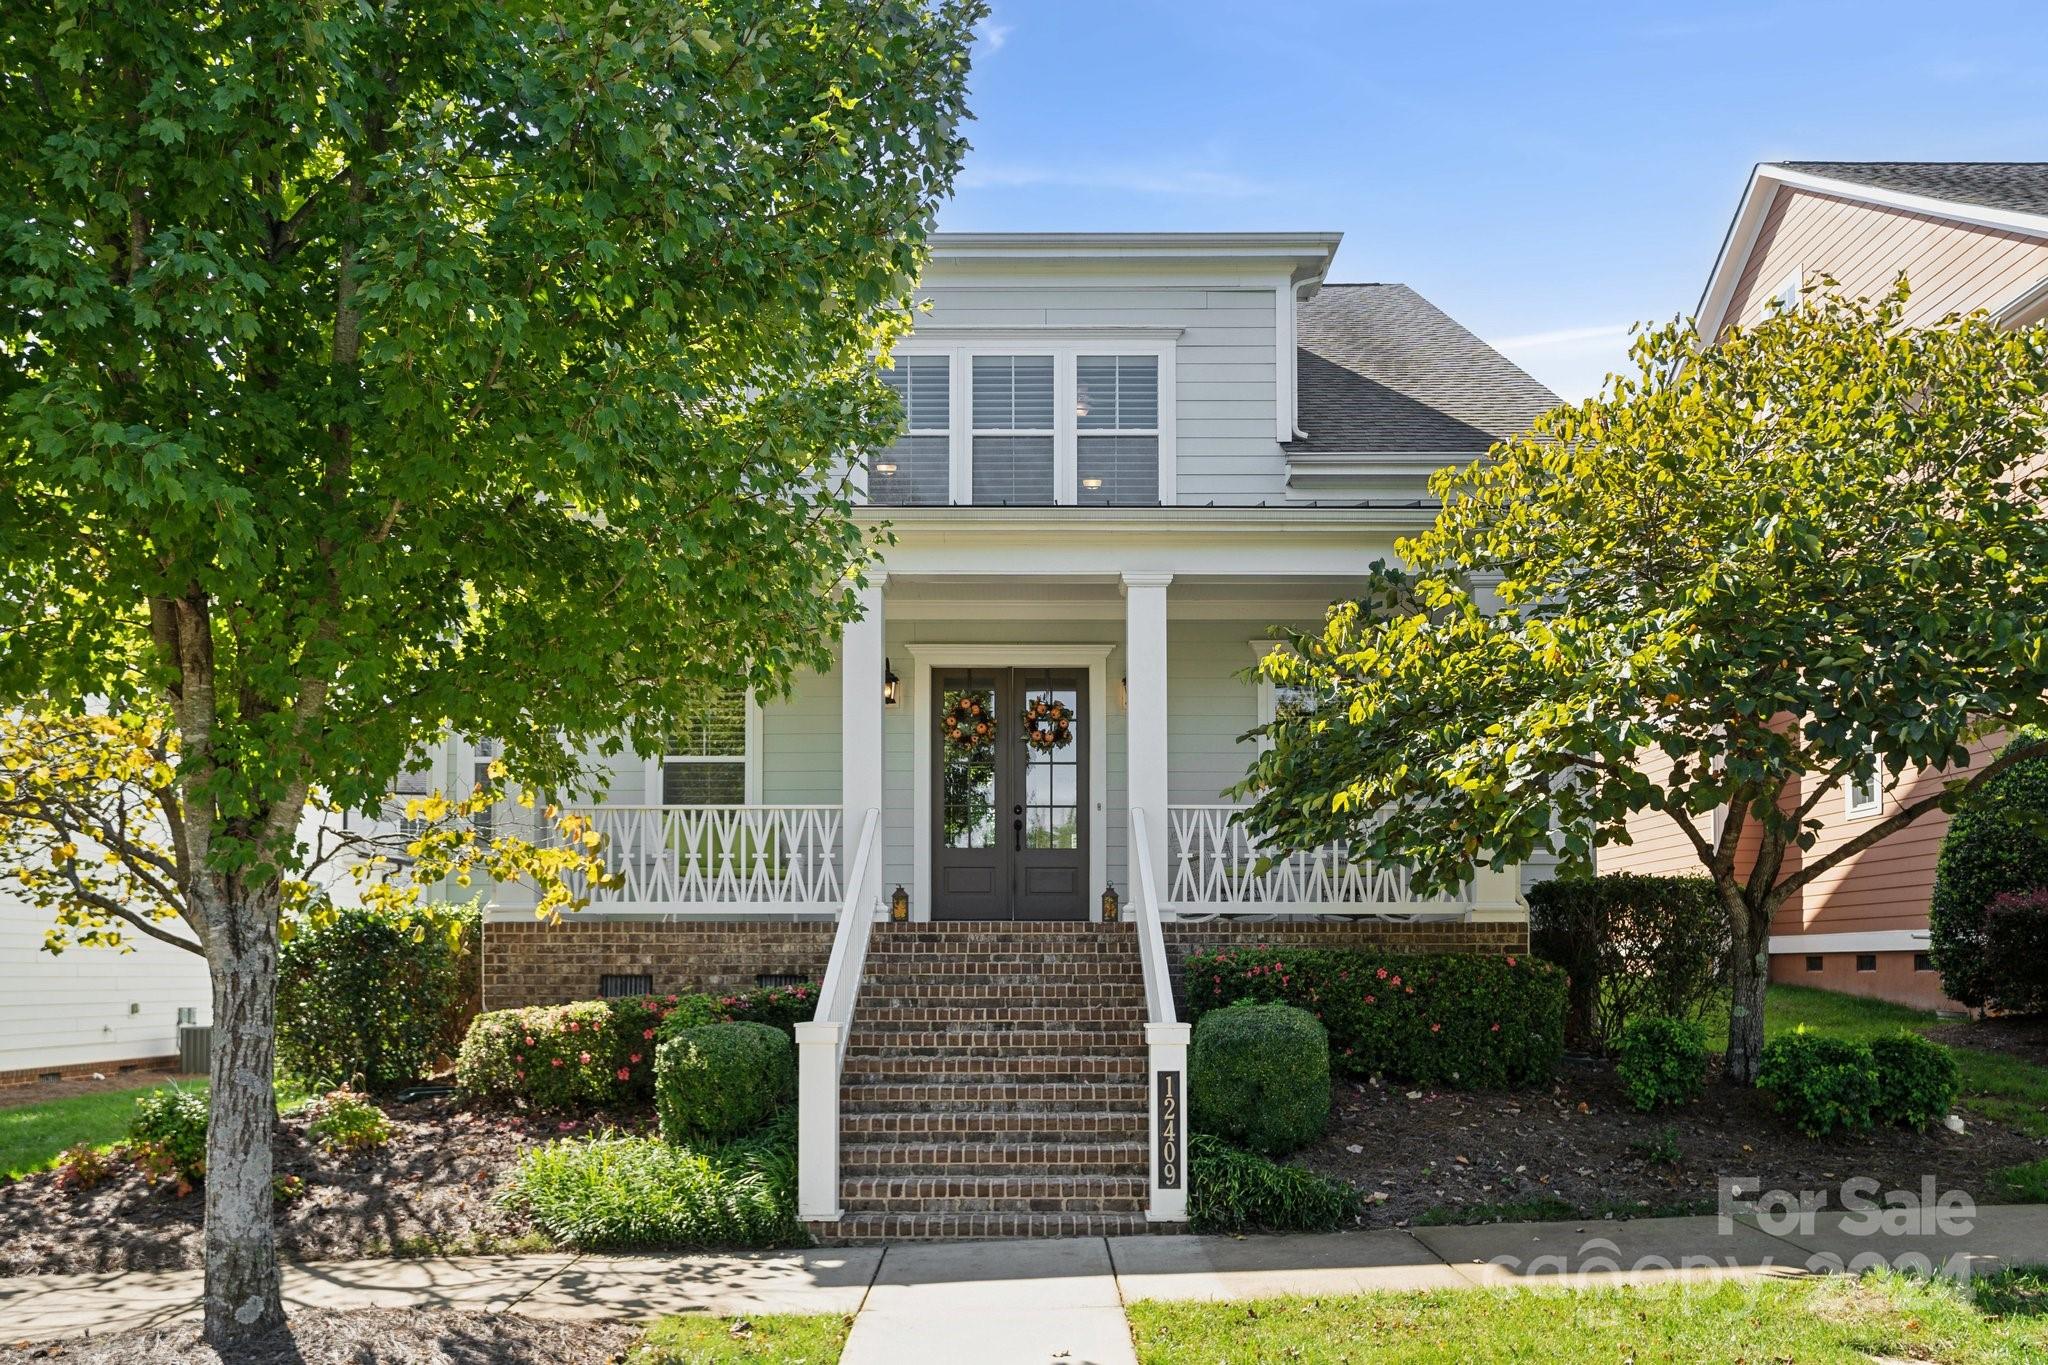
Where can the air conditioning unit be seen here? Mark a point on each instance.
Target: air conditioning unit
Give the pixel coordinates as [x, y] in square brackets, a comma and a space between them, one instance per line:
[195, 1049]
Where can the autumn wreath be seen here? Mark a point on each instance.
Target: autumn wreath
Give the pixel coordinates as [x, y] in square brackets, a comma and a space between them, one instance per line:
[969, 723]
[1048, 724]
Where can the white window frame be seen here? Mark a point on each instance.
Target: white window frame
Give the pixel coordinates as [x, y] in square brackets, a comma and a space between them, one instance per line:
[1864, 809]
[654, 764]
[952, 440]
[1081, 433]
[1065, 346]
[1060, 386]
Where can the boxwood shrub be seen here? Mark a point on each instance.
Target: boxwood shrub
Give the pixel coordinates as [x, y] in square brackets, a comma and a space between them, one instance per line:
[598, 1052]
[1474, 1022]
[1822, 1085]
[1259, 1076]
[1917, 1079]
[1660, 1061]
[721, 1081]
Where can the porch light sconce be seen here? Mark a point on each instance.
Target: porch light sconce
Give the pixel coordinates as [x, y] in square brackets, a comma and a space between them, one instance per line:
[890, 684]
[1112, 907]
[899, 905]
[1123, 694]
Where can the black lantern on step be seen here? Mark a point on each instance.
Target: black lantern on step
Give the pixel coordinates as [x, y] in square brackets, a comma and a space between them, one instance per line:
[899, 905]
[1112, 906]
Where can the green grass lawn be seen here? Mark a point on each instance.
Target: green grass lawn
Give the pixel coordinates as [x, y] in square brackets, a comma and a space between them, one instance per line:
[33, 1135]
[1817, 1320]
[771, 1339]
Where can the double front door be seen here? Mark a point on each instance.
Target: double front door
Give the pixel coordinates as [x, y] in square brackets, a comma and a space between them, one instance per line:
[1010, 807]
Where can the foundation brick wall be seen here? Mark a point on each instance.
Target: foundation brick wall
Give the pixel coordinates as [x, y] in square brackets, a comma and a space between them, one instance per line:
[550, 964]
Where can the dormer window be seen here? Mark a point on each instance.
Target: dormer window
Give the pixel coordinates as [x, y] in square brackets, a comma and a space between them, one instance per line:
[1031, 420]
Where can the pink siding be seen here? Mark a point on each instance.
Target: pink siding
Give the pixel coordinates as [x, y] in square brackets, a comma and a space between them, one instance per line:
[1659, 846]
[1954, 267]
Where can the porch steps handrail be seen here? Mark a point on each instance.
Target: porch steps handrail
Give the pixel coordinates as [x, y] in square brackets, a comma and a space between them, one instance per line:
[1166, 1046]
[821, 1040]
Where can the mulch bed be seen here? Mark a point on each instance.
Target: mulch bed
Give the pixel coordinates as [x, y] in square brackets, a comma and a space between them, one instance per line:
[432, 1189]
[385, 1336]
[1580, 1142]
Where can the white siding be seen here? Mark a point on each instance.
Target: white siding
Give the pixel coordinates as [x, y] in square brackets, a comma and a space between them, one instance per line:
[89, 1005]
[1224, 365]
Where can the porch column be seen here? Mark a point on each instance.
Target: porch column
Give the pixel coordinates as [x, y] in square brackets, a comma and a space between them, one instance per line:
[861, 666]
[1145, 723]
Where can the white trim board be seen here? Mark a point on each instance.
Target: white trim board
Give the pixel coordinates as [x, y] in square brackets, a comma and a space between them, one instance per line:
[926, 657]
[1869, 941]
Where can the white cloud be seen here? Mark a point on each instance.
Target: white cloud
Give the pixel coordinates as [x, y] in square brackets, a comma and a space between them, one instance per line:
[992, 34]
[1572, 361]
[1199, 181]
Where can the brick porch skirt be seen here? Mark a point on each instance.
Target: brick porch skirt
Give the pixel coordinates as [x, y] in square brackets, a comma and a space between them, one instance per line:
[548, 964]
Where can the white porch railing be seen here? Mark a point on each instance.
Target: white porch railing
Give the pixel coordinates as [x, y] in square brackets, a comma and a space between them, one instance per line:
[720, 859]
[1214, 868]
[821, 1042]
[1166, 1046]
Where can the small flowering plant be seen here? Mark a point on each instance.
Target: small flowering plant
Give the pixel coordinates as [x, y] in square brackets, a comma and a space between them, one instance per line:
[1474, 1021]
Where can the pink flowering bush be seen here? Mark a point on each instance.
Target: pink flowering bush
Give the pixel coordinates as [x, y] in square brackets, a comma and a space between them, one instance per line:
[1455, 1020]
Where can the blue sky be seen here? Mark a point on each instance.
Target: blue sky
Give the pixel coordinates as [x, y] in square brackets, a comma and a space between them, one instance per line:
[1547, 172]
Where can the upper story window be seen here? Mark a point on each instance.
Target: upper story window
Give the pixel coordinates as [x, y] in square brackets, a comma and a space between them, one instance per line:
[1014, 433]
[1116, 409]
[918, 467]
[1015, 420]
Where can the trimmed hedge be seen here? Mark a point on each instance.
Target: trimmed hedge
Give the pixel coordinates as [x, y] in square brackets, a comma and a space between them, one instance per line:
[1822, 1085]
[598, 1052]
[1259, 1076]
[1446, 1020]
[721, 1081]
[1631, 945]
[1917, 1079]
[1230, 1190]
[364, 994]
[2016, 951]
[1997, 842]
[1661, 1061]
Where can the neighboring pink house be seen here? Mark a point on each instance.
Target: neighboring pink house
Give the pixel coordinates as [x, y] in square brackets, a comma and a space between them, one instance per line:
[1968, 235]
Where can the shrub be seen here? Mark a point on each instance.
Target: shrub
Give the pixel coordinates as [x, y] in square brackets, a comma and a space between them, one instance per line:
[167, 1135]
[1259, 1076]
[1630, 945]
[83, 1167]
[2016, 950]
[1661, 1061]
[1450, 1020]
[721, 1081]
[345, 1121]
[782, 1007]
[553, 1056]
[364, 994]
[614, 1192]
[1997, 842]
[1231, 1190]
[1822, 1085]
[1917, 1079]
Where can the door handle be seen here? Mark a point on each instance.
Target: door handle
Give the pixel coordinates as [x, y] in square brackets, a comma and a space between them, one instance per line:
[1018, 826]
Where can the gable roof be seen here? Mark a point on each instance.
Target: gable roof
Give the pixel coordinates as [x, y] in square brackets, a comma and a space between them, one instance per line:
[2009, 196]
[2021, 186]
[1384, 371]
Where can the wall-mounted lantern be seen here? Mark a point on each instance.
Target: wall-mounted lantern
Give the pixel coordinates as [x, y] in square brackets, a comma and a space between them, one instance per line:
[891, 685]
[899, 905]
[1112, 906]
[1123, 694]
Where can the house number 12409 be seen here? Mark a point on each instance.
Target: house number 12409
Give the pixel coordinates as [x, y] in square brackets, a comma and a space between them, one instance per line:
[1168, 1128]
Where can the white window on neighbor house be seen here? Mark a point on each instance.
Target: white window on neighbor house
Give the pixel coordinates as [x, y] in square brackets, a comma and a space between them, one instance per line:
[411, 784]
[482, 754]
[1014, 430]
[1863, 794]
[712, 762]
[918, 468]
[1116, 416]
[1790, 290]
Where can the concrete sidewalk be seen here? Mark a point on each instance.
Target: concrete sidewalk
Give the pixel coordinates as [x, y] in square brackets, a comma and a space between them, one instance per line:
[1039, 1302]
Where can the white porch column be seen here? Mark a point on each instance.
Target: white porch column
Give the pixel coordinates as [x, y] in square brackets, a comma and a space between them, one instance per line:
[1145, 723]
[1497, 896]
[861, 666]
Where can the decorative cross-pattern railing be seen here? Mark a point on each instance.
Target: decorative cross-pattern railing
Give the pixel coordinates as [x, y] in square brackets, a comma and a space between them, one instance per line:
[723, 859]
[1215, 867]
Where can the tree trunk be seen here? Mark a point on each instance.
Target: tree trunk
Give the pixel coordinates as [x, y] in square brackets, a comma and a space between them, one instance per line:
[242, 1294]
[1750, 972]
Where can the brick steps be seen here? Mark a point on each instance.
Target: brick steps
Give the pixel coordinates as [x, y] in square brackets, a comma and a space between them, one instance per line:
[994, 1086]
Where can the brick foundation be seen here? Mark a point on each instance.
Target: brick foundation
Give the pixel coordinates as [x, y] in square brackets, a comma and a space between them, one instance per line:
[1895, 979]
[75, 1071]
[549, 964]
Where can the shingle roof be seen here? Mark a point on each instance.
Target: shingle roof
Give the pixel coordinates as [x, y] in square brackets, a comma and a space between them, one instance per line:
[2021, 186]
[1384, 370]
